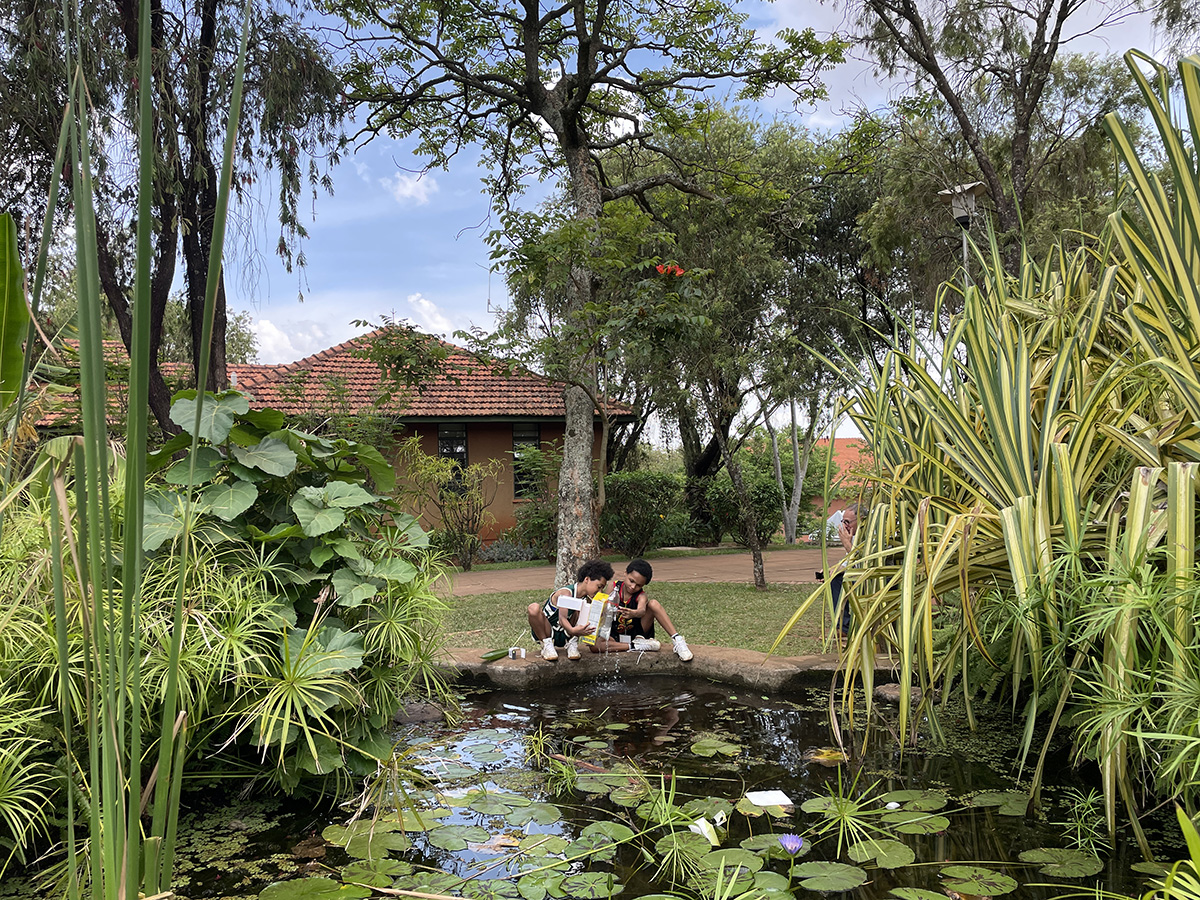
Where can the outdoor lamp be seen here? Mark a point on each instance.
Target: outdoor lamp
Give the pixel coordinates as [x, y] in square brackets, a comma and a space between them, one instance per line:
[961, 200]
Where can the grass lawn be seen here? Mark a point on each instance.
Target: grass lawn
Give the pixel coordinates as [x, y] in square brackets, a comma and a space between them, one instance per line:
[726, 615]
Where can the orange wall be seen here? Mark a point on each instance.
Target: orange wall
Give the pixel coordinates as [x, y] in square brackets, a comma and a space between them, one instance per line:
[487, 441]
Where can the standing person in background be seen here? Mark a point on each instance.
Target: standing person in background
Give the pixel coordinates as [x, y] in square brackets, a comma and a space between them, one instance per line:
[841, 606]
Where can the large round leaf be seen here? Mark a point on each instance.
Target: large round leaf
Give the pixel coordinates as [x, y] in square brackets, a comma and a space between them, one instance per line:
[711, 746]
[347, 496]
[912, 893]
[539, 813]
[544, 844]
[269, 455]
[216, 417]
[709, 807]
[1062, 863]
[320, 888]
[886, 854]
[208, 464]
[614, 831]
[773, 885]
[375, 872]
[768, 846]
[977, 880]
[492, 805]
[731, 858]
[229, 499]
[1011, 803]
[908, 821]
[687, 843]
[829, 876]
[456, 837]
[589, 885]
[491, 889]
[316, 520]
[429, 882]
[377, 845]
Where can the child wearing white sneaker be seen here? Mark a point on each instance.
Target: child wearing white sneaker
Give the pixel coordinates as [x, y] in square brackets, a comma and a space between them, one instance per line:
[553, 626]
[636, 615]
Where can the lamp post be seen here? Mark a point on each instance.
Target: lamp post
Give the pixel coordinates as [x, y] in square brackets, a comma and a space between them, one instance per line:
[961, 200]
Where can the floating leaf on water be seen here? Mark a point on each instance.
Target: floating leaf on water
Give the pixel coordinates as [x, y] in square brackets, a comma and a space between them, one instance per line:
[773, 885]
[1156, 869]
[544, 844]
[768, 845]
[829, 876]
[599, 782]
[491, 755]
[818, 804]
[746, 808]
[429, 882]
[539, 813]
[596, 745]
[685, 842]
[491, 805]
[731, 857]
[377, 845]
[1010, 803]
[709, 807]
[977, 880]
[1063, 863]
[589, 885]
[451, 770]
[614, 831]
[616, 726]
[319, 888]
[825, 756]
[886, 854]
[456, 837]
[711, 746]
[912, 893]
[921, 801]
[907, 821]
[628, 795]
[375, 872]
[491, 889]
[900, 796]
[598, 847]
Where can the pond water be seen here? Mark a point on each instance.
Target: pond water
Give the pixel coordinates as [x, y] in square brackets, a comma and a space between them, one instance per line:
[637, 788]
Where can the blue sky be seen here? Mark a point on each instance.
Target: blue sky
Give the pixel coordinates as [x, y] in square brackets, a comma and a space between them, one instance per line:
[393, 241]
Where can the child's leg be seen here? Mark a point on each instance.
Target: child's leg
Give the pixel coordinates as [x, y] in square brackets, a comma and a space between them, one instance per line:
[538, 623]
[604, 645]
[656, 613]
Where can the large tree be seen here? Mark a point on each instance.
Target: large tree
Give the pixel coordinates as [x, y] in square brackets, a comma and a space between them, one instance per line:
[997, 67]
[549, 89]
[292, 108]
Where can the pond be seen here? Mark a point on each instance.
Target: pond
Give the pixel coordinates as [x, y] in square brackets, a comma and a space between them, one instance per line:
[639, 788]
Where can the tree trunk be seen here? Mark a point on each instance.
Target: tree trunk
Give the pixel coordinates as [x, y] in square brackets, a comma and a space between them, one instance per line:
[576, 511]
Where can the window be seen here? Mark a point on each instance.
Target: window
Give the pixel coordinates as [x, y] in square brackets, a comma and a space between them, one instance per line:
[452, 443]
[525, 482]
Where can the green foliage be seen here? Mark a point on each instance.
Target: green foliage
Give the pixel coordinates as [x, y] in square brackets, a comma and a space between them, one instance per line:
[14, 314]
[636, 506]
[765, 500]
[460, 494]
[537, 516]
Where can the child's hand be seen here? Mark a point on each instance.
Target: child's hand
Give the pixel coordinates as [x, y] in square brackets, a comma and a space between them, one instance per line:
[588, 629]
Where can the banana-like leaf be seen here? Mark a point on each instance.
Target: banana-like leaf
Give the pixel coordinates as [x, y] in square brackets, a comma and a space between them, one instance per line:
[14, 314]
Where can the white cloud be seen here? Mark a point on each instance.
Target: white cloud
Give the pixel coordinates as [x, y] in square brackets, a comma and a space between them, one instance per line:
[291, 341]
[428, 315]
[411, 188]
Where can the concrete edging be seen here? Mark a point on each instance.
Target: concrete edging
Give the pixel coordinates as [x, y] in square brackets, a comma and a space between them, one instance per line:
[745, 668]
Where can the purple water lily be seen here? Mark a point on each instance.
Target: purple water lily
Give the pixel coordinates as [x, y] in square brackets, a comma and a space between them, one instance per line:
[791, 843]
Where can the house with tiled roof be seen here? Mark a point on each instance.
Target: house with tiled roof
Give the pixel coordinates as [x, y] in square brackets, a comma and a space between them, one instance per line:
[469, 409]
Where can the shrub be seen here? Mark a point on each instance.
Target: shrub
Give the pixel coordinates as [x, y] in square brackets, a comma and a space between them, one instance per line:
[537, 518]
[765, 499]
[537, 528]
[676, 530]
[505, 549]
[636, 505]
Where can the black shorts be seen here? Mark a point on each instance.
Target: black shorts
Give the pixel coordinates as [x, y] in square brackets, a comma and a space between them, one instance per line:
[556, 629]
[633, 628]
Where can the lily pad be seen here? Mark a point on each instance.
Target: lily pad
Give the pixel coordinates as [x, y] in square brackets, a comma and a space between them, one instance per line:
[456, 837]
[912, 893]
[598, 783]
[487, 755]
[533, 885]
[773, 886]
[711, 746]
[376, 845]
[614, 831]
[543, 844]
[977, 880]
[731, 858]
[829, 876]
[429, 882]
[886, 854]
[628, 795]
[921, 801]
[709, 807]
[598, 847]
[1156, 869]
[319, 888]
[616, 726]
[746, 808]
[908, 821]
[375, 872]
[687, 843]
[1010, 803]
[491, 889]
[539, 813]
[1063, 863]
[453, 771]
[589, 885]
[493, 805]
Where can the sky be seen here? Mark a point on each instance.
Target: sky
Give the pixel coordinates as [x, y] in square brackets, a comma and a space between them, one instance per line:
[396, 241]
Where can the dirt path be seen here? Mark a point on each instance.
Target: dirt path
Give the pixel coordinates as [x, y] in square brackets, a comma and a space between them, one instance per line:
[791, 565]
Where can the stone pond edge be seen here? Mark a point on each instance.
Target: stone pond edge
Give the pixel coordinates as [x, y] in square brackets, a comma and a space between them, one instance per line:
[743, 668]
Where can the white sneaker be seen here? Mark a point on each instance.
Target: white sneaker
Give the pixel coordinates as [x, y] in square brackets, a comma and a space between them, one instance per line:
[644, 644]
[681, 648]
[548, 651]
[573, 648]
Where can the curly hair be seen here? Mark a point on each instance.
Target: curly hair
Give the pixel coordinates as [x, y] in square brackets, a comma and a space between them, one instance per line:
[595, 568]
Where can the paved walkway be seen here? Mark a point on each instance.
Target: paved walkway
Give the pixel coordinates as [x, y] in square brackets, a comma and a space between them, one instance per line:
[783, 565]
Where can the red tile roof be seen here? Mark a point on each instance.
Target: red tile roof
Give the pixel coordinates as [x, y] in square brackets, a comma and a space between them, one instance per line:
[466, 386]
[851, 456]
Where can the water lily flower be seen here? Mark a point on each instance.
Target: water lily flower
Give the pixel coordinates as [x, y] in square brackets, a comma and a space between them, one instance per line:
[791, 843]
